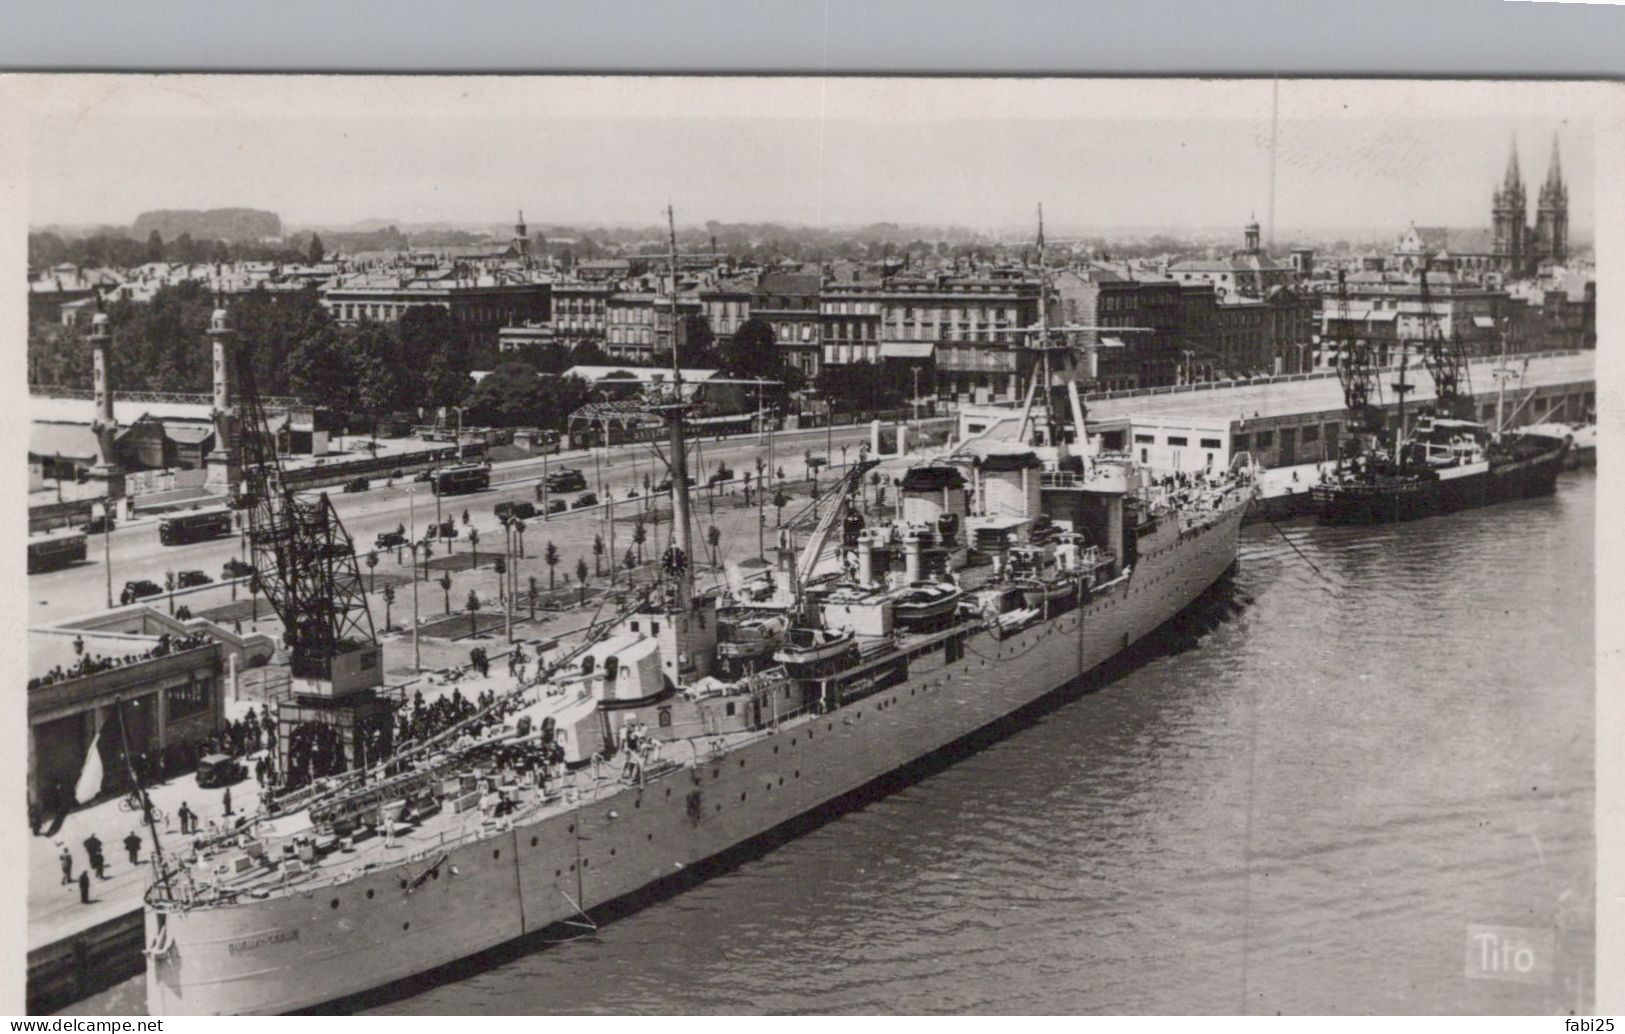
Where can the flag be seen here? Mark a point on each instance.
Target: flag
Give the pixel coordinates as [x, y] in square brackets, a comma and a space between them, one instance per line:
[89, 786]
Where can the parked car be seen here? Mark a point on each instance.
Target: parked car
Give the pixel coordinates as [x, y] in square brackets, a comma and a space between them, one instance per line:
[235, 568]
[722, 474]
[557, 506]
[219, 770]
[583, 501]
[665, 486]
[566, 479]
[139, 590]
[188, 579]
[521, 510]
[423, 475]
[389, 540]
[99, 525]
[357, 485]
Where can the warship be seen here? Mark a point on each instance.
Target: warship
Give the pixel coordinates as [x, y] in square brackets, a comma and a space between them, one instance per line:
[1017, 558]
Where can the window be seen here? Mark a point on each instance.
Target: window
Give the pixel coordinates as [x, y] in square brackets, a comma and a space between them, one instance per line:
[1311, 433]
[1265, 439]
[1145, 439]
[189, 698]
[1212, 443]
[1178, 439]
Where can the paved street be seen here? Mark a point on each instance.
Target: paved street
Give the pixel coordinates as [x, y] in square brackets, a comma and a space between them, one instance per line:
[137, 554]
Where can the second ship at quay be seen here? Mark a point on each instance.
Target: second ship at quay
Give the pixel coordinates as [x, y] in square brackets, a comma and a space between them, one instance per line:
[246, 932]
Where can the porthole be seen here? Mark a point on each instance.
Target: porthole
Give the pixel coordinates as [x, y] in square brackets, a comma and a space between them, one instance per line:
[572, 828]
[558, 873]
[369, 895]
[533, 841]
[648, 836]
[612, 852]
[586, 862]
[334, 903]
[798, 773]
[638, 803]
[741, 762]
[497, 853]
[775, 748]
[572, 867]
[406, 925]
[668, 791]
[741, 795]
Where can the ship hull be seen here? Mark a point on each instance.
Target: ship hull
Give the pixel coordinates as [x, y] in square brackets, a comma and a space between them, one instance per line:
[1408, 499]
[378, 929]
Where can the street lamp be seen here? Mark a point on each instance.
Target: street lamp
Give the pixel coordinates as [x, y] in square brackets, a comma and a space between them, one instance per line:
[412, 533]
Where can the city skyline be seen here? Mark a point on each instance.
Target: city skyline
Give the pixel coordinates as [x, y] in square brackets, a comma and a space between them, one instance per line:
[977, 154]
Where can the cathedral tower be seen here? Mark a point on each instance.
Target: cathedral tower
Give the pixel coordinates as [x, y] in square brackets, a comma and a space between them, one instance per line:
[1511, 225]
[1552, 215]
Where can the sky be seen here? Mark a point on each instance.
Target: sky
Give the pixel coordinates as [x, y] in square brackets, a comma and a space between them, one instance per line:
[978, 153]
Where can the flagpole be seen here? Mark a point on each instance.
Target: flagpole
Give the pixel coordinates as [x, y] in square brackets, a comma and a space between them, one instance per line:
[141, 791]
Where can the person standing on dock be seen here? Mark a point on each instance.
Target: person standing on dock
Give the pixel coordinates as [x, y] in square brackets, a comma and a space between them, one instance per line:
[132, 844]
[228, 800]
[66, 858]
[93, 850]
[84, 887]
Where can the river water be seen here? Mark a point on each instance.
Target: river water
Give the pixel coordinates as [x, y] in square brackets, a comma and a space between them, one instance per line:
[1342, 760]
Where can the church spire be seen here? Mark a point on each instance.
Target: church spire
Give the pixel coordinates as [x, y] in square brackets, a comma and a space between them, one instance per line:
[1514, 178]
[1554, 172]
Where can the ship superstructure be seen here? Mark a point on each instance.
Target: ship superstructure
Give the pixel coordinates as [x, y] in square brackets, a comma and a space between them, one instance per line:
[1014, 562]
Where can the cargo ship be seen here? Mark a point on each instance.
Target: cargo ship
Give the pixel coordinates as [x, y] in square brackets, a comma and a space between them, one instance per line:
[650, 746]
[1447, 461]
[1444, 465]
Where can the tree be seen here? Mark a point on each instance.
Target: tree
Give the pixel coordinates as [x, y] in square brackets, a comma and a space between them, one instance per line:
[372, 562]
[747, 488]
[474, 544]
[581, 577]
[532, 595]
[640, 535]
[499, 566]
[315, 253]
[155, 247]
[445, 587]
[750, 351]
[389, 599]
[780, 501]
[550, 557]
[629, 562]
[697, 343]
[473, 608]
[597, 555]
[713, 538]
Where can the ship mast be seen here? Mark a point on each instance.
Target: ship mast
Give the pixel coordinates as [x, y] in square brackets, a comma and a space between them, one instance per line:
[684, 540]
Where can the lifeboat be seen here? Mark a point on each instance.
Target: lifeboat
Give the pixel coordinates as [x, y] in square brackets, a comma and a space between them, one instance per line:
[924, 603]
[748, 638]
[805, 647]
[1039, 592]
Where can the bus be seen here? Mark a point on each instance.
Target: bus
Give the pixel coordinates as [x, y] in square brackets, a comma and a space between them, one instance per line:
[460, 480]
[194, 527]
[59, 549]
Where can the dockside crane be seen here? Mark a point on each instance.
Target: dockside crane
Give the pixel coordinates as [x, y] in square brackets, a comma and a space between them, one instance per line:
[1446, 363]
[306, 566]
[1357, 373]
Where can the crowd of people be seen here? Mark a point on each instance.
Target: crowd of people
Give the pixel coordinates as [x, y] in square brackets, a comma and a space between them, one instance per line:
[91, 663]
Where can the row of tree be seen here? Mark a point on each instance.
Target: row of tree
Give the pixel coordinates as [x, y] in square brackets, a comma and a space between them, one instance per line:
[369, 370]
